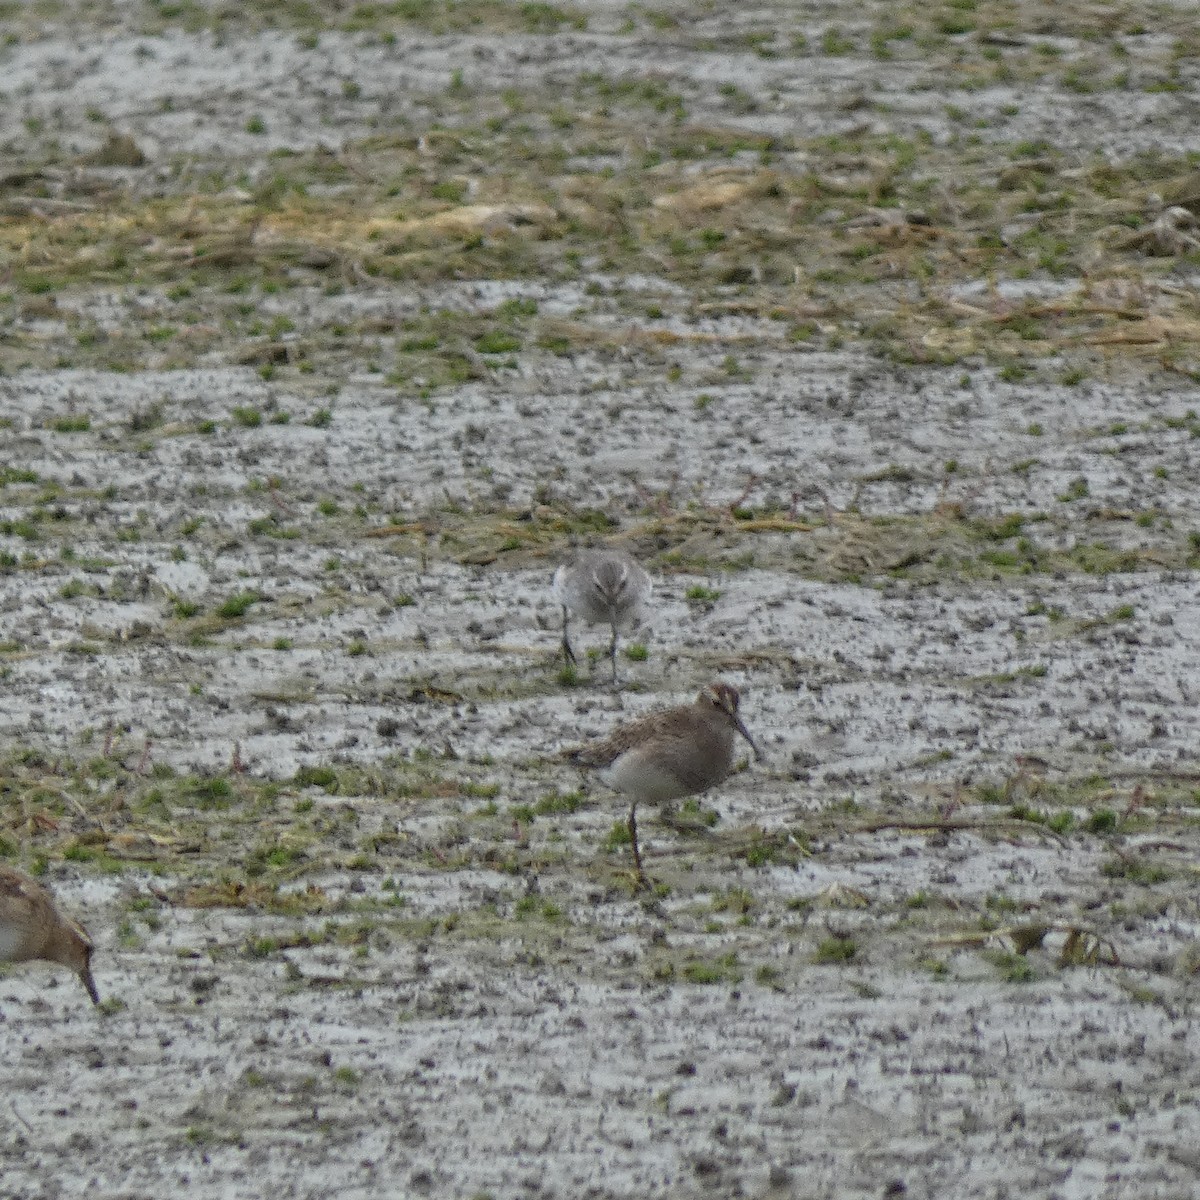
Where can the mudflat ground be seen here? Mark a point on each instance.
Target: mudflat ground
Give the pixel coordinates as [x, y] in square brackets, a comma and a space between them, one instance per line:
[327, 331]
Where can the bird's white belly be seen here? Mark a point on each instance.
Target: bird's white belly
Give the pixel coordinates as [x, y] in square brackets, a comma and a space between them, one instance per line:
[645, 781]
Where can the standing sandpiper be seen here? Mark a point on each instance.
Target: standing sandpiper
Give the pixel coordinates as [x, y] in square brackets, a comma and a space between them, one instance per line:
[603, 587]
[31, 927]
[668, 755]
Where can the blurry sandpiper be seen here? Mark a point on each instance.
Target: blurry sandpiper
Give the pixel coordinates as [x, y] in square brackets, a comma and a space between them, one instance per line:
[31, 927]
[602, 587]
[668, 755]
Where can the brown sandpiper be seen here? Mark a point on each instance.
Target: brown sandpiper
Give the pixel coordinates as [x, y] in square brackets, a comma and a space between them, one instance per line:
[602, 587]
[667, 755]
[32, 927]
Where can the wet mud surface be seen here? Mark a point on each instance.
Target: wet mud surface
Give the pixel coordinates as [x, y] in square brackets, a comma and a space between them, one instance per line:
[279, 650]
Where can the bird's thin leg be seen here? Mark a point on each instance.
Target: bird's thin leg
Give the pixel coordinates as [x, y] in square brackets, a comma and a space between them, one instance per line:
[612, 653]
[568, 653]
[633, 841]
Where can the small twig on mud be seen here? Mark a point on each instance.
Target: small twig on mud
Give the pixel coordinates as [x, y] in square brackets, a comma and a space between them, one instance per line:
[1021, 776]
[1081, 947]
[355, 168]
[830, 511]
[955, 801]
[958, 508]
[1154, 773]
[357, 272]
[661, 502]
[273, 492]
[1133, 854]
[1124, 855]
[746, 660]
[751, 484]
[236, 765]
[772, 525]
[960, 826]
[1136, 800]
[1162, 844]
[382, 531]
[88, 817]
[37, 822]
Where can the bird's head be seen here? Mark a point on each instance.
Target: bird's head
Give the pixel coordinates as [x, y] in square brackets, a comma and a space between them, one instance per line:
[725, 699]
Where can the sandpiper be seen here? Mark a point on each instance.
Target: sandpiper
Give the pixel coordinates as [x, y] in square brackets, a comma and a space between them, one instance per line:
[603, 587]
[31, 927]
[668, 755]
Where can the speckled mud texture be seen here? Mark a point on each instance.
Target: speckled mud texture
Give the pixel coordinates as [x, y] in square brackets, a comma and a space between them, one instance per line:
[328, 330]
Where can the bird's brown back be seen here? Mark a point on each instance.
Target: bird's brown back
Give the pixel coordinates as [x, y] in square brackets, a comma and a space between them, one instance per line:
[28, 912]
[32, 927]
[685, 735]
